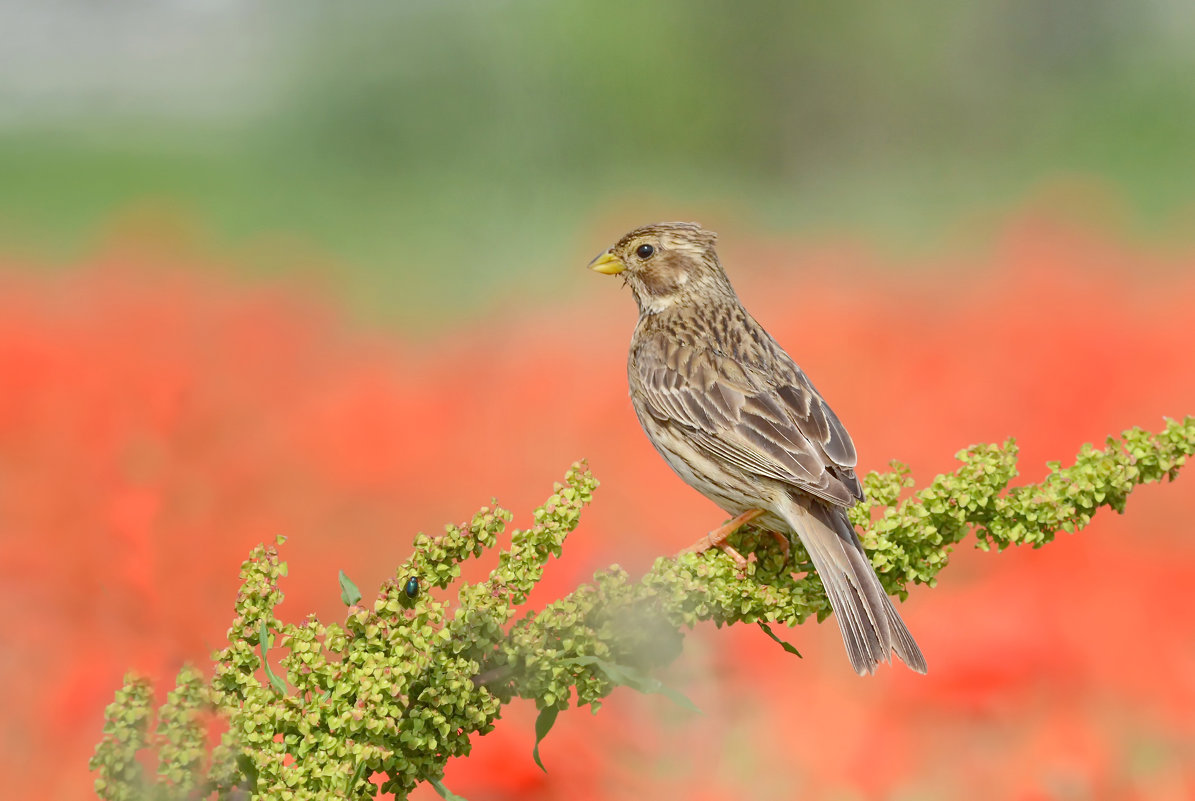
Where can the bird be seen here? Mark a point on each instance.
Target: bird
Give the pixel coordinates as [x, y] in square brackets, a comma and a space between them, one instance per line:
[736, 418]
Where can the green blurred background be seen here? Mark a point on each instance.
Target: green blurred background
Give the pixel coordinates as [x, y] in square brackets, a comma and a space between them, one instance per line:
[427, 155]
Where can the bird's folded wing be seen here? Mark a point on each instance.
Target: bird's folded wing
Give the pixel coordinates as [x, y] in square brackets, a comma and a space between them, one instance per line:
[770, 423]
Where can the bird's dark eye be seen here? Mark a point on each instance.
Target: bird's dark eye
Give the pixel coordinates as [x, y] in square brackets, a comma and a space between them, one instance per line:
[644, 251]
[412, 588]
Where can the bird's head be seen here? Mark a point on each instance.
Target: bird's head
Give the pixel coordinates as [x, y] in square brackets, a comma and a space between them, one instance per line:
[666, 264]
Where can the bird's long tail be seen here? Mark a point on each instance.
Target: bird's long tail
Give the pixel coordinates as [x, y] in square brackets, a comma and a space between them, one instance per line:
[871, 627]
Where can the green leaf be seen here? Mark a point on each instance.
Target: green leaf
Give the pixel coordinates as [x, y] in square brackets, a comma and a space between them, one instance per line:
[788, 646]
[444, 792]
[635, 679]
[358, 773]
[348, 590]
[248, 767]
[543, 725]
[264, 641]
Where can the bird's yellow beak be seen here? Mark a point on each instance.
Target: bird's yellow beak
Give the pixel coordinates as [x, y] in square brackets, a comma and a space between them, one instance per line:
[607, 264]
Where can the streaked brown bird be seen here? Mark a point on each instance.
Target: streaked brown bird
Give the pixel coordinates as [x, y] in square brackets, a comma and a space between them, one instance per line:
[737, 419]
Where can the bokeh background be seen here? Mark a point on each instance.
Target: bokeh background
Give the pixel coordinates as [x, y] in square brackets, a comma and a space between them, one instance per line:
[315, 270]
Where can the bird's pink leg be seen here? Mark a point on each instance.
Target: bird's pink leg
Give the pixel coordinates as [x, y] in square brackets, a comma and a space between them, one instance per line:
[717, 538]
[783, 542]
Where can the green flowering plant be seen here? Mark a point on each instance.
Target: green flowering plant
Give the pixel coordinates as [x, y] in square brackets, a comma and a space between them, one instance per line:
[383, 700]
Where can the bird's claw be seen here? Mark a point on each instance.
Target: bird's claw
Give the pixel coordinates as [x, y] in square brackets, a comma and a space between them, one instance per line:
[705, 543]
[718, 538]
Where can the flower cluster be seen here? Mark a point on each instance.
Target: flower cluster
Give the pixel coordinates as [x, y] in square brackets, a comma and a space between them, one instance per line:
[383, 701]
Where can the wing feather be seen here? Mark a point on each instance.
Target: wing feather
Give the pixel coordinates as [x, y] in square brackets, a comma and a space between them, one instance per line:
[769, 423]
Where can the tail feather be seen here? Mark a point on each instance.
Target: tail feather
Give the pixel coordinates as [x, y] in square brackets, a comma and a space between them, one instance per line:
[871, 627]
[903, 642]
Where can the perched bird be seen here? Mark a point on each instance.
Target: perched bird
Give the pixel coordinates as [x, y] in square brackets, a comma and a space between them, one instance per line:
[738, 420]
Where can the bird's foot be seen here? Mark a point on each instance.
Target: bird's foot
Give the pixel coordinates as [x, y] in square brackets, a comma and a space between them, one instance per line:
[717, 538]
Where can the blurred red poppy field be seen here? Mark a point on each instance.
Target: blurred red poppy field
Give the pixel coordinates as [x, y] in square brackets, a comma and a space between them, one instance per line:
[159, 417]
